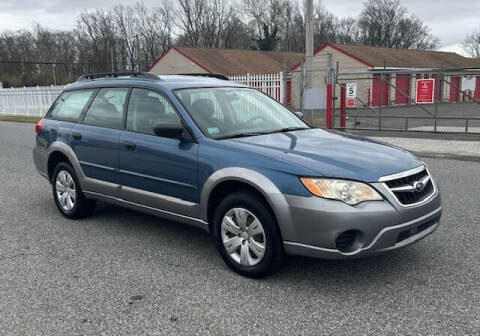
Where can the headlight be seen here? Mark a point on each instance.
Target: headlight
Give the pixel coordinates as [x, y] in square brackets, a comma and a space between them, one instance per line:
[350, 192]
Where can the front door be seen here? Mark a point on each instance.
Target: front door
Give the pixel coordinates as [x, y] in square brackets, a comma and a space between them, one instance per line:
[156, 171]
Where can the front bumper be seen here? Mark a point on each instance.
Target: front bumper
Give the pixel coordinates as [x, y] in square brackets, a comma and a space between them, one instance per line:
[389, 238]
[311, 225]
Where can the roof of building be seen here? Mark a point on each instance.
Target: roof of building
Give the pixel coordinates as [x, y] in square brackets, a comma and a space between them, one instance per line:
[238, 61]
[402, 58]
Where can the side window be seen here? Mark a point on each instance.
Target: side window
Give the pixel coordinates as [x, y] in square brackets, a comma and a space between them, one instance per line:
[146, 108]
[70, 104]
[106, 109]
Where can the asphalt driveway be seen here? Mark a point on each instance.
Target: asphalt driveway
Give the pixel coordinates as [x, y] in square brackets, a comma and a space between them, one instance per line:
[126, 273]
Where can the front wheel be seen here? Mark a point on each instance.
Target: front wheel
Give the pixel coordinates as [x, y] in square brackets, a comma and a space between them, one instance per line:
[247, 235]
[68, 194]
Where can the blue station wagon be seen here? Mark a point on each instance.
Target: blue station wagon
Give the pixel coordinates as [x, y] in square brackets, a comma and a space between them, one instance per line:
[229, 159]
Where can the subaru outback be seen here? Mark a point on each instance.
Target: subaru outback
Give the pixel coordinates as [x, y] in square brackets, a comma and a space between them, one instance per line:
[208, 152]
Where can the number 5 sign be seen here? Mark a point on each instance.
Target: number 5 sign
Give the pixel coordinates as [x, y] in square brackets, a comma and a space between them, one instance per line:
[351, 94]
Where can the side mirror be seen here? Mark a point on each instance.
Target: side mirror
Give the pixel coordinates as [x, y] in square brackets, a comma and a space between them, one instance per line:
[168, 129]
[299, 114]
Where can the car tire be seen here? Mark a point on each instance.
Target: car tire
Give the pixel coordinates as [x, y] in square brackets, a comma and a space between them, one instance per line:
[68, 194]
[241, 240]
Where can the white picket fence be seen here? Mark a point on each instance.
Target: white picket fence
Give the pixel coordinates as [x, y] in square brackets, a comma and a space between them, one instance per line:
[271, 84]
[35, 101]
[28, 101]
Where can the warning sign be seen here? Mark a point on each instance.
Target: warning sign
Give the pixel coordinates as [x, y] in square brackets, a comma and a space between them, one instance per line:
[351, 94]
[425, 91]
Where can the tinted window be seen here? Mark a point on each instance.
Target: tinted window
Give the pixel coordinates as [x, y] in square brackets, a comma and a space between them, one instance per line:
[107, 108]
[146, 108]
[70, 104]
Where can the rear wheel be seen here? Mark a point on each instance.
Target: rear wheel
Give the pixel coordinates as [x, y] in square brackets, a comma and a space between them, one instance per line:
[247, 235]
[68, 194]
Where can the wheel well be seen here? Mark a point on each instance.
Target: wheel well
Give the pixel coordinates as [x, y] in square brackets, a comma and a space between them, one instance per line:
[53, 160]
[227, 187]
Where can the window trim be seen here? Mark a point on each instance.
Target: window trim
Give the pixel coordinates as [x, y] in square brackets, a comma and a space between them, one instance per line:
[98, 89]
[48, 115]
[190, 136]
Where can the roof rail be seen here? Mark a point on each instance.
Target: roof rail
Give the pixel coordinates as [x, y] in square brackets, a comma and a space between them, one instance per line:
[206, 74]
[111, 75]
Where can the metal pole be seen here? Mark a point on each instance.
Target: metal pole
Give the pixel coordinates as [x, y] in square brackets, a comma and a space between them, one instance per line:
[301, 87]
[138, 53]
[308, 43]
[329, 112]
[436, 97]
[111, 59]
[54, 77]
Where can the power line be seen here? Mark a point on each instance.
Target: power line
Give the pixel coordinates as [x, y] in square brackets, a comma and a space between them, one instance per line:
[66, 63]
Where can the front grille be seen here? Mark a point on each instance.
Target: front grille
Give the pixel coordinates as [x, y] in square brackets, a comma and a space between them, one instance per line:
[426, 225]
[411, 196]
[422, 227]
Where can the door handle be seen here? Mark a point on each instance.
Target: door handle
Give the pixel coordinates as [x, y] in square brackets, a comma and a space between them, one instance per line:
[76, 135]
[129, 145]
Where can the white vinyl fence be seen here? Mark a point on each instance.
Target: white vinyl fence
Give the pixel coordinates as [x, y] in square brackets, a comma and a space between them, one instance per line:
[271, 84]
[35, 101]
[28, 101]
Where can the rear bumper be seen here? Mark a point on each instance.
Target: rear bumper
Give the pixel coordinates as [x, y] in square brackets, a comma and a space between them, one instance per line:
[389, 238]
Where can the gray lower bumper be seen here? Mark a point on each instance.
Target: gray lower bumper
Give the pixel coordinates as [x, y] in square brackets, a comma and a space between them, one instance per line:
[389, 238]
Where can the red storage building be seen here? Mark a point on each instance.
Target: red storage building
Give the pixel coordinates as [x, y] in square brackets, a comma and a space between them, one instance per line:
[402, 66]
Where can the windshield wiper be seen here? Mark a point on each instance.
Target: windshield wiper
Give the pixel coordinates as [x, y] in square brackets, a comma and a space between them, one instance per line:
[239, 135]
[289, 129]
[247, 134]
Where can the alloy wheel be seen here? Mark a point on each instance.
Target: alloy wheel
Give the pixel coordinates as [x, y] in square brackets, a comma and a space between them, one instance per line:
[65, 190]
[243, 237]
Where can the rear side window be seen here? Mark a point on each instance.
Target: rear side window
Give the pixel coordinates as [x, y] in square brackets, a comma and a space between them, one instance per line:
[106, 109]
[70, 104]
[146, 108]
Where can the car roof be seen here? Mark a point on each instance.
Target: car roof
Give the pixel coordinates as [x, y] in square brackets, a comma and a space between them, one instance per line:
[168, 82]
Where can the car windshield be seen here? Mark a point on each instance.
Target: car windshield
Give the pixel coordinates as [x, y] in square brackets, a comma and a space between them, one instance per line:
[223, 113]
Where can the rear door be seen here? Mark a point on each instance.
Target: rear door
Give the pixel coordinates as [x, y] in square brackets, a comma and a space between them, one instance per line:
[95, 140]
[156, 171]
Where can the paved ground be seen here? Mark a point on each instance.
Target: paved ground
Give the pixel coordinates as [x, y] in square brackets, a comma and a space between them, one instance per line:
[125, 273]
[465, 150]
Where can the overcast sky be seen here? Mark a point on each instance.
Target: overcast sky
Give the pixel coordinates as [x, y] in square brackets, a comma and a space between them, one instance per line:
[449, 20]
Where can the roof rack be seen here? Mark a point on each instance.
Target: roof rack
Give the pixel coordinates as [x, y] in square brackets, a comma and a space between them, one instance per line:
[206, 74]
[111, 75]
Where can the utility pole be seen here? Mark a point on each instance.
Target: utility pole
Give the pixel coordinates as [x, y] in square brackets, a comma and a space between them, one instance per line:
[111, 59]
[54, 76]
[308, 44]
[138, 53]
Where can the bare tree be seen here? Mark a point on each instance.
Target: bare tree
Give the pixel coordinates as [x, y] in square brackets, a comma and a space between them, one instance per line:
[472, 44]
[385, 23]
[155, 27]
[267, 20]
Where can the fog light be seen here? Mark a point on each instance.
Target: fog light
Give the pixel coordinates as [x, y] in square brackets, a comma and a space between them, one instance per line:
[349, 241]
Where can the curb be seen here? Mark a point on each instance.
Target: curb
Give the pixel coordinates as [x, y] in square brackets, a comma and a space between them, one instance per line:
[447, 156]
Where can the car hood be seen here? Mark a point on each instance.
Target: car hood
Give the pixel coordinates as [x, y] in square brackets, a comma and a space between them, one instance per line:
[333, 154]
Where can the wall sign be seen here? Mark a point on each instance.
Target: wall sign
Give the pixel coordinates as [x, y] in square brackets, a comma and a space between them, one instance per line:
[351, 94]
[425, 91]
